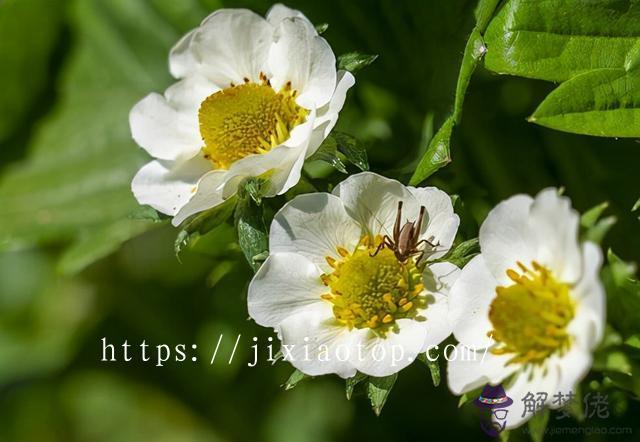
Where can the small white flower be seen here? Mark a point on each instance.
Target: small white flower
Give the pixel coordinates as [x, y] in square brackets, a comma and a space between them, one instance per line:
[256, 97]
[337, 304]
[530, 306]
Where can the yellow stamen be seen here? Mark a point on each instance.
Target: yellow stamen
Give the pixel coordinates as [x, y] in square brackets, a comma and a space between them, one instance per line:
[530, 317]
[343, 252]
[373, 290]
[249, 118]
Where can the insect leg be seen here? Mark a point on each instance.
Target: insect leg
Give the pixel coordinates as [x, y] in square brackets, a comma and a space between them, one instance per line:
[396, 226]
[380, 246]
[420, 219]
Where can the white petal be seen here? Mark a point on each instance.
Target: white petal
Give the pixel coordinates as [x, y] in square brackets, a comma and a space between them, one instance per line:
[441, 224]
[328, 114]
[207, 195]
[231, 45]
[286, 284]
[168, 186]
[573, 366]
[284, 178]
[554, 225]
[372, 200]
[313, 225]
[279, 12]
[539, 380]
[469, 303]
[163, 131]
[468, 369]
[188, 94]
[278, 158]
[438, 279]
[505, 237]
[300, 56]
[301, 134]
[590, 316]
[316, 344]
[378, 356]
[182, 61]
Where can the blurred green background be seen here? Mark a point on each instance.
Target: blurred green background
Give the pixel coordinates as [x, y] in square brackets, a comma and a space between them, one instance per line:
[77, 265]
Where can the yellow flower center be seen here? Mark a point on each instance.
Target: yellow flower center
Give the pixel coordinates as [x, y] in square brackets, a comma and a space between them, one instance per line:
[247, 119]
[373, 290]
[530, 317]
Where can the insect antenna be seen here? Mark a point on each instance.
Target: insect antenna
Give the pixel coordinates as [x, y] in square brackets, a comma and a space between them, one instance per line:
[375, 217]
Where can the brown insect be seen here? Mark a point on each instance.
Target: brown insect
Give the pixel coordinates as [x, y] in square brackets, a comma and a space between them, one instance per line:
[405, 243]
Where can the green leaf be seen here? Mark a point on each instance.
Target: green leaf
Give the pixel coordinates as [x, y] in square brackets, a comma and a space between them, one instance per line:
[636, 207]
[612, 360]
[469, 396]
[538, 424]
[75, 181]
[350, 383]
[603, 102]
[483, 13]
[202, 223]
[438, 154]
[434, 367]
[473, 52]
[145, 212]
[98, 243]
[322, 28]
[463, 252]
[25, 52]
[628, 383]
[378, 390]
[354, 151]
[328, 152]
[591, 216]
[623, 295]
[296, 377]
[575, 407]
[354, 61]
[595, 228]
[256, 188]
[633, 341]
[253, 236]
[557, 40]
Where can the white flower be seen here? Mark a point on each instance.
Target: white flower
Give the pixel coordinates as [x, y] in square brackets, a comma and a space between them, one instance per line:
[339, 306]
[530, 306]
[256, 97]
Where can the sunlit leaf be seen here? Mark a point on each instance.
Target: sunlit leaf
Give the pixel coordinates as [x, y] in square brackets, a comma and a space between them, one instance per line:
[557, 40]
[603, 102]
